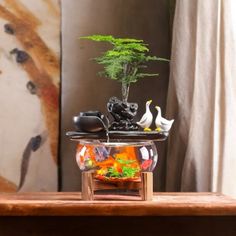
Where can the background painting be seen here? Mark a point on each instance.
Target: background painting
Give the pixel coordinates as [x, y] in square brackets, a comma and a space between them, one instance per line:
[29, 94]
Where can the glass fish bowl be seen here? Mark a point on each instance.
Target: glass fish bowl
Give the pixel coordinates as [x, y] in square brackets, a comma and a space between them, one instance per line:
[116, 161]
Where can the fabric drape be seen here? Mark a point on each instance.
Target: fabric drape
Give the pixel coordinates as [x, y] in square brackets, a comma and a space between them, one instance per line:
[202, 98]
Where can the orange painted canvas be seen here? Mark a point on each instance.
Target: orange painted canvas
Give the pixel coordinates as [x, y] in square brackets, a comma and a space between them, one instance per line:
[29, 94]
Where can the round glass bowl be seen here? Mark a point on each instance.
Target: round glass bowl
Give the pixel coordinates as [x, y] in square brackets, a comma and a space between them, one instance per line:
[117, 161]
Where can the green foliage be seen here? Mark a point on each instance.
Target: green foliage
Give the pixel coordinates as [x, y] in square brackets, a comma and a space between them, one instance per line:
[126, 169]
[125, 162]
[126, 60]
[129, 171]
[112, 172]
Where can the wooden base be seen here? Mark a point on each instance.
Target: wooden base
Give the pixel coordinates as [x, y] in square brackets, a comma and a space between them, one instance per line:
[147, 186]
[138, 190]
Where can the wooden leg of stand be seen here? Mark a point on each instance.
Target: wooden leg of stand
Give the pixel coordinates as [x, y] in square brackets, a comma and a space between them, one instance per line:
[147, 186]
[87, 186]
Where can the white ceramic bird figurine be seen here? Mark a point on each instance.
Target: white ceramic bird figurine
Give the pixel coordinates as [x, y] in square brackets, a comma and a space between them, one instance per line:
[147, 118]
[161, 123]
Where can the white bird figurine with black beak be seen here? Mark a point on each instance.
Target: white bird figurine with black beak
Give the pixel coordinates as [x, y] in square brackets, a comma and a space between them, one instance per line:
[161, 123]
[147, 118]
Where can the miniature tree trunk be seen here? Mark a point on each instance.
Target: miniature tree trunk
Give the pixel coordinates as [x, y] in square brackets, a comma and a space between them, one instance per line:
[125, 92]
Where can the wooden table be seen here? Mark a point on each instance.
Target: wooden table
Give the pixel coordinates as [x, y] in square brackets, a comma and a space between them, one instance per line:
[167, 214]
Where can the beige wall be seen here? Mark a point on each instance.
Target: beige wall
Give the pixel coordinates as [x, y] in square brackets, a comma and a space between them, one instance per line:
[83, 90]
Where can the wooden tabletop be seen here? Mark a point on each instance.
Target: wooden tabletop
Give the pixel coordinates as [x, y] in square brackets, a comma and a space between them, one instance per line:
[70, 204]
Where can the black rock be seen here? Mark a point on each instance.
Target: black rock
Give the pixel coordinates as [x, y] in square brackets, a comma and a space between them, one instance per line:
[123, 114]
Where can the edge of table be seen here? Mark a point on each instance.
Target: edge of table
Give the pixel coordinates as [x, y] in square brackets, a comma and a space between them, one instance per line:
[70, 204]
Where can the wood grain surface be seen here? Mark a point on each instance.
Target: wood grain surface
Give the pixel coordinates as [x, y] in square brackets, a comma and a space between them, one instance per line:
[70, 204]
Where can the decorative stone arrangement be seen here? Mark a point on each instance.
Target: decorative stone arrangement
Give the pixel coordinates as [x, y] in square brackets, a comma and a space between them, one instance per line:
[116, 153]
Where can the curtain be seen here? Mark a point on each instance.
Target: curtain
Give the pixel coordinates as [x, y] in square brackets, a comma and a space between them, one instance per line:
[202, 98]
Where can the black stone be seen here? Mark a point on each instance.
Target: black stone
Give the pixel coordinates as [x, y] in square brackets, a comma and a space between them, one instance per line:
[123, 115]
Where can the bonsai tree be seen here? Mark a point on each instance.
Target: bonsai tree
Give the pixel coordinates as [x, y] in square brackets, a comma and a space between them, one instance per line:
[125, 61]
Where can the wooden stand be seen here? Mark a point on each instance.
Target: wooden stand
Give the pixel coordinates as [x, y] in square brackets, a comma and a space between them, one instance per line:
[90, 185]
[87, 186]
[147, 186]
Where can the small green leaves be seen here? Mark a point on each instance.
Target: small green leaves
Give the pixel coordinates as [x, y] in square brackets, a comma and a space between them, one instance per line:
[129, 172]
[154, 58]
[114, 69]
[126, 40]
[125, 162]
[141, 75]
[125, 60]
[99, 38]
[140, 47]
